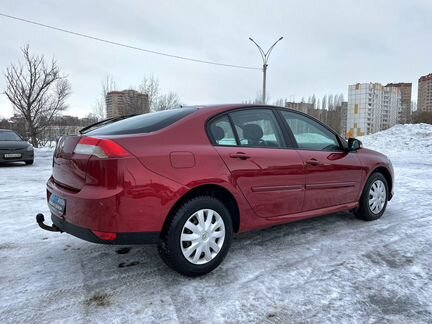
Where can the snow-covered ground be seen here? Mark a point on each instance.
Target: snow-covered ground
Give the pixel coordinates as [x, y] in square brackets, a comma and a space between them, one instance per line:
[333, 269]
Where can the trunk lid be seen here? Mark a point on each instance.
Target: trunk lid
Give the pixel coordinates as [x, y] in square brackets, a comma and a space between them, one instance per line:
[69, 169]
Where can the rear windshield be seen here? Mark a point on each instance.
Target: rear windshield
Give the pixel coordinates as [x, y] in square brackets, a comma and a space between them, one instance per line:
[9, 136]
[145, 123]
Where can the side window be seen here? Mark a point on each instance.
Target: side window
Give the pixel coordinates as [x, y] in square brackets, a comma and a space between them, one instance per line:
[221, 132]
[257, 128]
[309, 134]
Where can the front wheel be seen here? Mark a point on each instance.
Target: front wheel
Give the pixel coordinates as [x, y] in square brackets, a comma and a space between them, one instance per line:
[373, 201]
[198, 236]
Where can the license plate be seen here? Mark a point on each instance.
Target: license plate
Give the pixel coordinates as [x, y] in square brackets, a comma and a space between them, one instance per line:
[12, 155]
[57, 204]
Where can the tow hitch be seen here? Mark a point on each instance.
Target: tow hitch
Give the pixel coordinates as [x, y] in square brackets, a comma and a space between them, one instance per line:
[40, 219]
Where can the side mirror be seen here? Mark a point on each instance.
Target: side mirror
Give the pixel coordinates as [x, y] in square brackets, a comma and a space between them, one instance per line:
[354, 144]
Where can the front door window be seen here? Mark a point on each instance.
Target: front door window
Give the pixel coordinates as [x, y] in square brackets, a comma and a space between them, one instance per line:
[309, 134]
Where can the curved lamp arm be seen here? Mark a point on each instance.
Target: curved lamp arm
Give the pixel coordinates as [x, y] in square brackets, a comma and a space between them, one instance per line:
[265, 55]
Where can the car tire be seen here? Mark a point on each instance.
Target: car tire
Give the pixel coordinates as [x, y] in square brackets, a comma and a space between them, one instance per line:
[373, 201]
[30, 162]
[201, 225]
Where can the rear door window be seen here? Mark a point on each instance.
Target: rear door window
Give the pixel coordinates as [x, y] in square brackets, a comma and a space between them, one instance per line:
[222, 132]
[257, 128]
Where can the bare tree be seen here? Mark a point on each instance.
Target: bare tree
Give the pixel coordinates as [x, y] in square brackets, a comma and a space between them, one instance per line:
[156, 100]
[37, 91]
[324, 103]
[330, 102]
[313, 100]
[168, 101]
[150, 86]
[280, 102]
[100, 108]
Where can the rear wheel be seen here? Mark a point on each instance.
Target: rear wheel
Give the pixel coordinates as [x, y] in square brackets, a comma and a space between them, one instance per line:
[29, 162]
[373, 201]
[198, 236]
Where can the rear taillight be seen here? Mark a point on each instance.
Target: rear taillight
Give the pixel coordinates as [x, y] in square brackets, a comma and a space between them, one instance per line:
[101, 148]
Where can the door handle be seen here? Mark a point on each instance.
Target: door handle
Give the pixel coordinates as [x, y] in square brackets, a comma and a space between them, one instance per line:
[313, 162]
[239, 155]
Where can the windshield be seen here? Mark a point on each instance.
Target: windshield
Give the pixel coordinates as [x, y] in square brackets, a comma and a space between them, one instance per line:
[144, 123]
[9, 136]
[101, 123]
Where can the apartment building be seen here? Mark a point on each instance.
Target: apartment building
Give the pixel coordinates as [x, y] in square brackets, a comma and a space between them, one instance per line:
[372, 107]
[126, 102]
[404, 116]
[424, 99]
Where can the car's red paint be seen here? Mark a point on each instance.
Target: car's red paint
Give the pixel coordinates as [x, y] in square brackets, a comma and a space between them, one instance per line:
[334, 179]
[272, 186]
[271, 180]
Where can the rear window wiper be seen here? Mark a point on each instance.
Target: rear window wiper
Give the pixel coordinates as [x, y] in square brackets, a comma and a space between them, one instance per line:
[103, 123]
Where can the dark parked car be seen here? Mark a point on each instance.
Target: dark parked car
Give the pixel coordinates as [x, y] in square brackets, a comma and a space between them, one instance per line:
[13, 148]
[189, 178]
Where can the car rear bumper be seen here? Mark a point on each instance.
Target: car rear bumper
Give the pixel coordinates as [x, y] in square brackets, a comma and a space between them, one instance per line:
[108, 210]
[88, 235]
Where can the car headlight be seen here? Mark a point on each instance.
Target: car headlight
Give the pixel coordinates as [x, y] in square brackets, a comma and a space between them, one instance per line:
[29, 147]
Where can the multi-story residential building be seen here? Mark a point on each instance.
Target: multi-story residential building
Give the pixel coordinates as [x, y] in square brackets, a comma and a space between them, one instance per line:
[371, 107]
[406, 109]
[126, 102]
[424, 99]
[390, 107]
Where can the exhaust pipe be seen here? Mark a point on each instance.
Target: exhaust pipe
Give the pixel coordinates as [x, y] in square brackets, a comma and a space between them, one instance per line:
[40, 219]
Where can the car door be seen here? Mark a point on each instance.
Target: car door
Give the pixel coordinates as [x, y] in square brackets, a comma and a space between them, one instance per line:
[270, 176]
[333, 175]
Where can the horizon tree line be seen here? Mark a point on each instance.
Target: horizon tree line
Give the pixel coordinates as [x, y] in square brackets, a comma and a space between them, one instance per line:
[327, 102]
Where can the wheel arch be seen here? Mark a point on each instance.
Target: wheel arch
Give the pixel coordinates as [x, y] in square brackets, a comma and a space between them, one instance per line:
[217, 191]
[387, 175]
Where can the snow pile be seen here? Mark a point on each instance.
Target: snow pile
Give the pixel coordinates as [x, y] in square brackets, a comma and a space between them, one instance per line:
[401, 138]
[44, 149]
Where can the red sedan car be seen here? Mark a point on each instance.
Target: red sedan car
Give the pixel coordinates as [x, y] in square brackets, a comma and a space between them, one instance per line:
[189, 178]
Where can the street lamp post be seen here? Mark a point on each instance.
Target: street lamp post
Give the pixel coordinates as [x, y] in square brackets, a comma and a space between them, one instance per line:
[265, 56]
